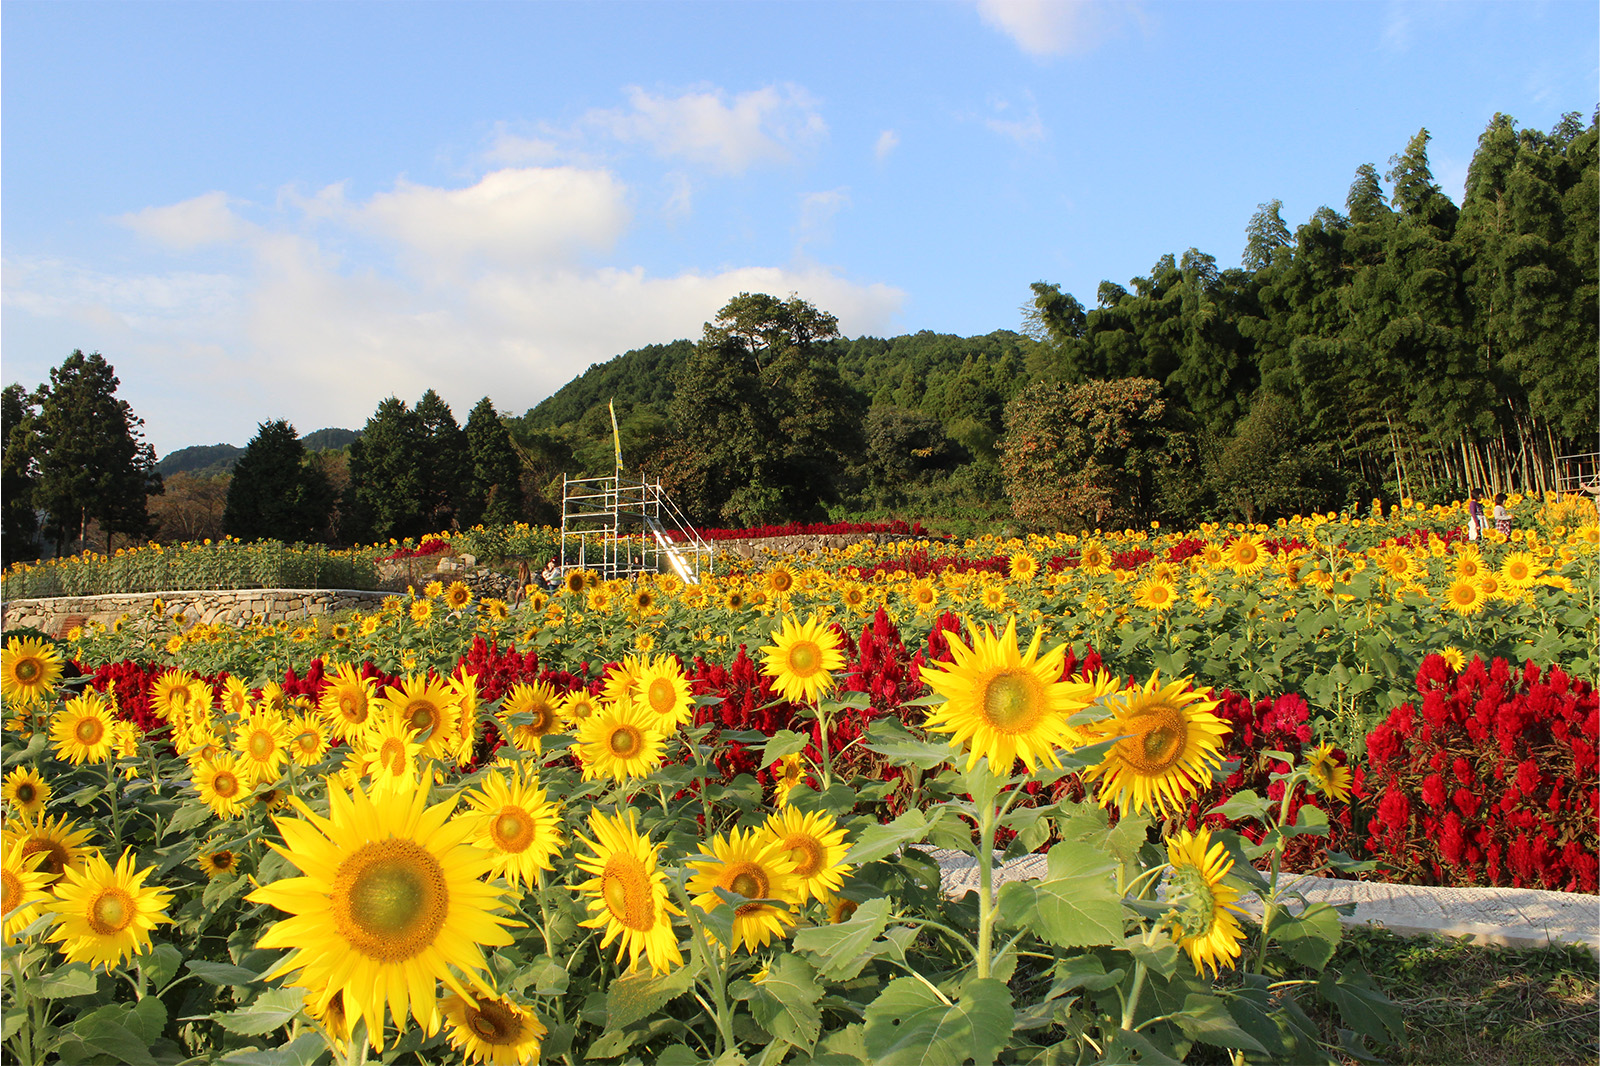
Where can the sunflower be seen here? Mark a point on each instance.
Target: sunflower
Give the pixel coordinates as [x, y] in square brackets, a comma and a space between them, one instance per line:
[1003, 703]
[800, 659]
[577, 705]
[23, 887]
[1453, 657]
[220, 863]
[423, 703]
[1469, 562]
[29, 670]
[106, 914]
[262, 744]
[517, 825]
[308, 740]
[840, 909]
[780, 580]
[816, 846]
[1024, 566]
[621, 679]
[1094, 559]
[1464, 596]
[923, 595]
[1170, 742]
[665, 692]
[734, 600]
[337, 1018]
[235, 696]
[223, 784]
[1205, 918]
[1330, 777]
[1519, 570]
[1155, 594]
[621, 741]
[393, 901]
[791, 772]
[392, 755]
[82, 730]
[853, 595]
[628, 894]
[457, 596]
[754, 866]
[576, 581]
[346, 701]
[433, 590]
[464, 691]
[541, 703]
[25, 790]
[1246, 554]
[493, 1030]
[421, 612]
[173, 696]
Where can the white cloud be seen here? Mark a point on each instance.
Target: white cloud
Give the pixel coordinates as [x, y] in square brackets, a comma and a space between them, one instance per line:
[817, 211]
[1057, 27]
[679, 203]
[888, 141]
[1024, 127]
[206, 219]
[772, 125]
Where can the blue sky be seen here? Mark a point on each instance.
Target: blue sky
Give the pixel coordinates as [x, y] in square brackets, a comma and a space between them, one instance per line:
[294, 210]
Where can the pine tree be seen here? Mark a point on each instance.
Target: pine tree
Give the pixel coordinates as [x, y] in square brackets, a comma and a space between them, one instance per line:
[496, 469]
[443, 464]
[386, 477]
[18, 476]
[275, 492]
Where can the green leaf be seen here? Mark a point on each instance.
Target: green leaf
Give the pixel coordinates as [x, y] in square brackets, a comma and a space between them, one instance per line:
[1075, 905]
[1363, 1006]
[222, 973]
[640, 995]
[1244, 804]
[842, 950]
[35, 745]
[190, 815]
[272, 1010]
[74, 979]
[1308, 938]
[890, 739]
[1206, 1019]
[678, 1055]
[881, 840]
[147, 1019]
[783, 742]
[786, 1002]
[160, 964]
[613, 1042]
[1127, 1046]
[107, 1031]
[909, 1024]
[304, 1050]
[549, 977]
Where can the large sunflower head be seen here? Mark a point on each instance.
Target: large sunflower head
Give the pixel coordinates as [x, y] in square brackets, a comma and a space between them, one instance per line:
[261, 741]
[106, 913]
[83, 730]
[223, 782]
[1170, 742]
[1520, 569]
[780, 580]
[753, 865]
[1245, 554]
[457, 596]
[29, 670]
[516, 824]
[540, 702]
[664, 691]
[1003, 703]
[622, 679]
[393, 901]
[620, 741]
[816, 846]
[391, 755]
[1205, 918]
[1023, 566]
[801, 659]
[25, 790]
[346, 700]
[493, 1030]
[220, 863]
[1464, 596]
[173, 696]
[1155, 593]
[308, 739]
[425, 705]
[23, 887]
[627, 892]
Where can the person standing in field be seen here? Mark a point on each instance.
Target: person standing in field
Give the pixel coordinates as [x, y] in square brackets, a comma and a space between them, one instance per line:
[1476, 522]
[1502, 514]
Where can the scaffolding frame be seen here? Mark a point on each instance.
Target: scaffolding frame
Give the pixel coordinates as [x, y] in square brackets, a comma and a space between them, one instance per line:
[621, 527]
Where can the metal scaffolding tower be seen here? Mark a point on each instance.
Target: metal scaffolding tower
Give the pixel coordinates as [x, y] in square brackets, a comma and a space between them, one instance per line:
[619, 527]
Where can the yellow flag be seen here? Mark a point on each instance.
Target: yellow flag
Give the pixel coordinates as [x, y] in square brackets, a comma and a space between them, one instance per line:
[616, 436]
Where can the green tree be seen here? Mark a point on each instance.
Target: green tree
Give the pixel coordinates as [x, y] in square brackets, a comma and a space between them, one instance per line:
[443, 465]
[92, 464]
[277, 491]
[496, 469]
[1264, 236]
[20, 530]
[386, 482]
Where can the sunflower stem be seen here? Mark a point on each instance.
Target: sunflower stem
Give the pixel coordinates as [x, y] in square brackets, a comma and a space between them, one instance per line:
[986, 888]
[826, 742]
[116, 806]
[1270, 903]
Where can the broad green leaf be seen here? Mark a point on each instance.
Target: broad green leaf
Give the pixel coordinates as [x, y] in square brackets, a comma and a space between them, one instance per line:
[189, 816]
[909, 1024]
[786, 1002]
[1206, 1019]
[1127, 1046]
[1244, 804]
[842, 950]
[881, 840]
[304, 1050]
[548, 977]
[108, 1031]
[889, 739]
[74, 979]
[272, 1010]
[640, 995]
[222, 973]
[160, 964]
[1075, 905]
[1363, 1006]
[613, 1042]
[1308, 938]
[784, 742]
[678, 1055]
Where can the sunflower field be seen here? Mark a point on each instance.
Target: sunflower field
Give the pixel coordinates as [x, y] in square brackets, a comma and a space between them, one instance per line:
[657, 822]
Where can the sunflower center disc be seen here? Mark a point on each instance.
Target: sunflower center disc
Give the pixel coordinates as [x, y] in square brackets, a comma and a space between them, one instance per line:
[351, 707]
[662, 696]
[1010, 702]
[89, 730]
[806, 853]
[747, 880]
[1157, 741]
[27, 670]
[26, 793]
[804, 658]
[260, 745]
[513, 829]
[420, 715]
[10, 891]
[112, 911]
[495, 1025]
[541, 720]
[624, 740]
[225, 785]
[223, 860]
[392, 756]
[627, 893]
[307, 741]
[390, 899]
[1196, 909]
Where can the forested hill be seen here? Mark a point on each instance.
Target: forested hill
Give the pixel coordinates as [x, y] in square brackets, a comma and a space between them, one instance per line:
[211, 460]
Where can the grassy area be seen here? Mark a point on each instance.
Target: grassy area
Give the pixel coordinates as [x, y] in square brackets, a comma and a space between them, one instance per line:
[1485, 1006]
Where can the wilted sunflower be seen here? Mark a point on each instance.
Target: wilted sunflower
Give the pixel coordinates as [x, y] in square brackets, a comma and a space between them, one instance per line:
[391, 903]
[106, 914]
[665, 692]
[23, 887]
[457, 596]
[1003, 703]
[29, 670]
[346, 700]
[81, 731]
[816, 846]
[542, 704]
[1330, 778]
[628, 894]
[1205, 918]
[25, 790]
[752, 865]
[621, 741]
[1170, 744]
[493, 1030]
[223, 784]
[800, 659]
[514, 822]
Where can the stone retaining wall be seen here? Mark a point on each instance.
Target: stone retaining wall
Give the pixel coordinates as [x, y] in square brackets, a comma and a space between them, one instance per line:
[228, 606]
